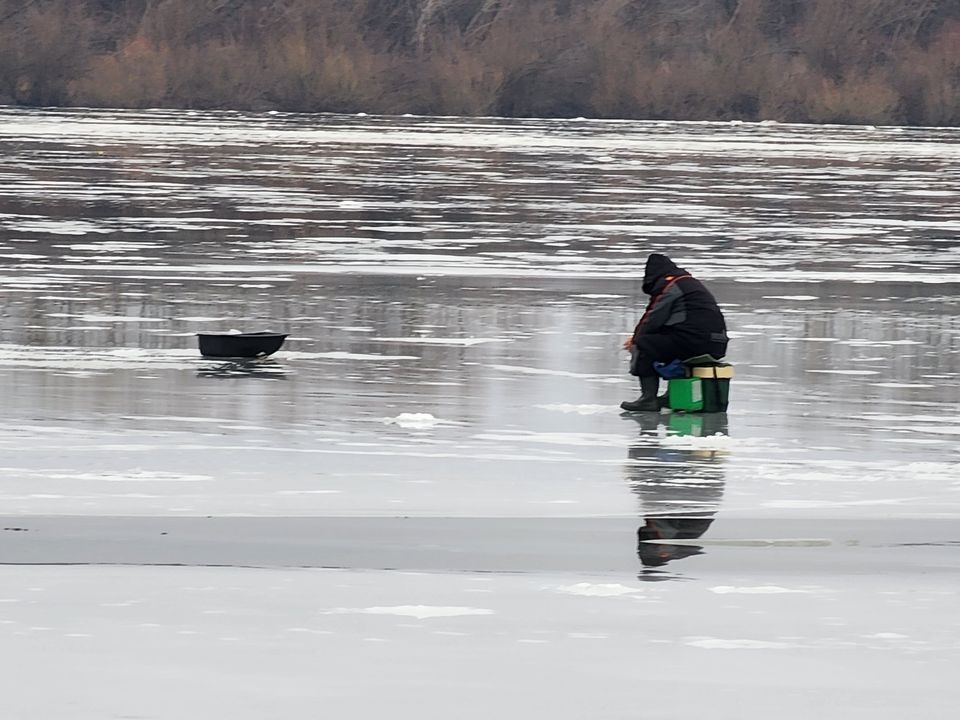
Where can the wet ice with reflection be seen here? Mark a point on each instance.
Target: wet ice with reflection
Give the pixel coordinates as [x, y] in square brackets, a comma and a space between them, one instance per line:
[385, 246]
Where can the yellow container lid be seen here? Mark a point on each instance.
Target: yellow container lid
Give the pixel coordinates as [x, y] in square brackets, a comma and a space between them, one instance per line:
[720, 372]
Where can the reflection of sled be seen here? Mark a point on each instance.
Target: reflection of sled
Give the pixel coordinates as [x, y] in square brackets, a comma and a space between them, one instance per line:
[253, 367]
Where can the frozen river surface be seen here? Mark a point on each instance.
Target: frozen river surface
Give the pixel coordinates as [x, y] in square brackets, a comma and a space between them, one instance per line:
[427, 502]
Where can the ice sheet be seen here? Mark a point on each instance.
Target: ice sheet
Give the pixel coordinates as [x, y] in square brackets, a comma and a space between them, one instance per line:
[442, 423]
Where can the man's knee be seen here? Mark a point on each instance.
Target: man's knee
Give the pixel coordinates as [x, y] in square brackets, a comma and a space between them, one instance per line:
[641, 362]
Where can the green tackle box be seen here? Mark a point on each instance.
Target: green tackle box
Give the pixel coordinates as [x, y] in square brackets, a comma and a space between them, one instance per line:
[715, 376]
[685, 394]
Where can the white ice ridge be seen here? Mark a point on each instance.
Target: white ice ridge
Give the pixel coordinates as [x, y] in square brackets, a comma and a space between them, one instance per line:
[421, 612]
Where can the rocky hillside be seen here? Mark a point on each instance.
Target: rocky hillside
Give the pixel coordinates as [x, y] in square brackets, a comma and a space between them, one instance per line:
[873, 61]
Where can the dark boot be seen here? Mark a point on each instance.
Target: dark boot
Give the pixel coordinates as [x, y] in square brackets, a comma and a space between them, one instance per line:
[647, 402]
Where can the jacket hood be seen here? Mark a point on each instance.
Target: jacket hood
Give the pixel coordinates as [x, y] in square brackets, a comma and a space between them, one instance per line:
[658, 267]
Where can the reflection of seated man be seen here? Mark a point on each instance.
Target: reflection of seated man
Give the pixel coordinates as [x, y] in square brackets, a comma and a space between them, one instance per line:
[680, 488]
[653, 554]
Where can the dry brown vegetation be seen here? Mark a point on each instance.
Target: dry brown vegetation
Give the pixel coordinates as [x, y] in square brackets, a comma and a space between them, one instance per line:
[872, 61]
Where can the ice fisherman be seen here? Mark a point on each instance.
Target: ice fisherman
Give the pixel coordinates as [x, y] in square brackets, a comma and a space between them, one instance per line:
[682, 320]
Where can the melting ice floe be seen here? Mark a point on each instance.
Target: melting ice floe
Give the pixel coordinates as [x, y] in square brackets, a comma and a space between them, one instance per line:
[415, 421]
[598, 589]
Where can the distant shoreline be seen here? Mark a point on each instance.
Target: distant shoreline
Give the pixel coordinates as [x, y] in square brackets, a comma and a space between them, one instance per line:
[816, 61]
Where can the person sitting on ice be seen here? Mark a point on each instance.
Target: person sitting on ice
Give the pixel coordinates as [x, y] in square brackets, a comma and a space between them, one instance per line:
[682, 320]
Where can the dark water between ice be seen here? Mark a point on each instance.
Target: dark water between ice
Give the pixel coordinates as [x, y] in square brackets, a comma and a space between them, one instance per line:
[456, 293]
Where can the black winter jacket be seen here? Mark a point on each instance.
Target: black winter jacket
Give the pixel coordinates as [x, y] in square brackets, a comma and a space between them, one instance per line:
[680, 306]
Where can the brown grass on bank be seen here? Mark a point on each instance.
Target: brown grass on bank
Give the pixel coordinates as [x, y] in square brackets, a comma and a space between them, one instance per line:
[870, 61]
